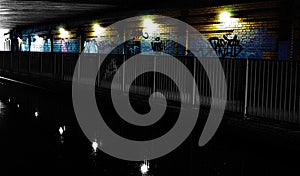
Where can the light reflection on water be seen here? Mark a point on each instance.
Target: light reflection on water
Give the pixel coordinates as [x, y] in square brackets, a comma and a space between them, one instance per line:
[55, 137]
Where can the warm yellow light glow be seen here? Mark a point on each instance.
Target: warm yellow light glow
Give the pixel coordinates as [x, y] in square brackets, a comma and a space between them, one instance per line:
[63, 33]
[227, 22]
[98, 29]
[225, 17]
[20, 41]
[149, 25]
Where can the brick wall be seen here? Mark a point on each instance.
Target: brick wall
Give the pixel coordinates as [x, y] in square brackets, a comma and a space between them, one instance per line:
[258, 30]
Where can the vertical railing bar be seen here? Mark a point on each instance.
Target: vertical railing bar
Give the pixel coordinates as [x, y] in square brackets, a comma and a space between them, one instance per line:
[290, 95]
[298, 97]
[19, 62]
[254, 91]
[206, 84]
[29, 63]
[123, 72]
[41, 63]
[172, 86]
[280, 95]
[246, 89]
[11, 61]
[154, 73]
[226, 79]
[201, 81]
[295, 91]
[187, 94]
[234, 86]
[276, 91]
[272, 88]
[99, 70]
[267, 103]
[241, 86]
[229, 64]
[181, 95]
[210, 88]
[54, 65]
[62, 66]
[285, 92]
[250, 105]
[263, 89]
[259, 92]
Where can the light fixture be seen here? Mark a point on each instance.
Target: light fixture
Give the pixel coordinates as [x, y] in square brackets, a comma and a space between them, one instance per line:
[149, 26]
[227, 21]
[225, 17]
[63, 33]
[98, 29]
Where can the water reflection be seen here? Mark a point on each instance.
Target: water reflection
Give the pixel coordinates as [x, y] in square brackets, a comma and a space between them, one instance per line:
[145, 166]
[3, 108]
[61, 131]
[36, 114]
[57, 138]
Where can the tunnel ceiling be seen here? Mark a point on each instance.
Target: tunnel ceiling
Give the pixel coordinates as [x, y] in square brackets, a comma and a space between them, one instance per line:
[19, 13]
[15, 13]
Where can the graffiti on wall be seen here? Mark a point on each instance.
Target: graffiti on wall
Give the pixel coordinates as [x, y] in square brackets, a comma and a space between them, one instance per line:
[69, 46]
[157, 44]
[132, 47]
[226, 47]
[111, 69]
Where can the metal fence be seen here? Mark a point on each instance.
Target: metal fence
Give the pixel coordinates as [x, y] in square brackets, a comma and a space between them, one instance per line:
[268, 89]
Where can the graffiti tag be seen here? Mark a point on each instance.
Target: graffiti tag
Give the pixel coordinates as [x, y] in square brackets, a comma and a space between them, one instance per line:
[226, 47]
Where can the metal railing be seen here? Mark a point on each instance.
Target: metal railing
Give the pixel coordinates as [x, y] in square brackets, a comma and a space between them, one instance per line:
[268, 89]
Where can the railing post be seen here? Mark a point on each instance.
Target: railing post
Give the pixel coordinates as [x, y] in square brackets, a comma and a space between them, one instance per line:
[19, 55]
[11, 63]
[62, 66]
[246, 90]
[41, 63]
[78, 62]
[194, 83]
[54, 64]
[29, 63]
[154, 72]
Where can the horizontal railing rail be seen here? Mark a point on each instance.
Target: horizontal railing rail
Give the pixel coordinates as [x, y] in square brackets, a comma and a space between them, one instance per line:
[268, 89]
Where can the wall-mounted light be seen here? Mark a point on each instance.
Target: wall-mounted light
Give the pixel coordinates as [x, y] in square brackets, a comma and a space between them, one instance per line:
[227, 21]
[63, 33]
[225, 17]
[149, 26]
[98, 30]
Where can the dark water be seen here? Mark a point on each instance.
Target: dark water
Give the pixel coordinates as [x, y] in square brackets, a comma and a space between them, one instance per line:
[32, 145]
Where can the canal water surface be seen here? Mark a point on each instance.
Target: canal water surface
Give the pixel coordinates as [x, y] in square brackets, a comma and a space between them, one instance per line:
[39, 135]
